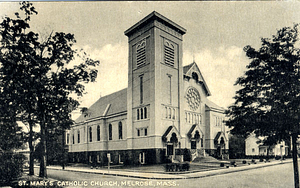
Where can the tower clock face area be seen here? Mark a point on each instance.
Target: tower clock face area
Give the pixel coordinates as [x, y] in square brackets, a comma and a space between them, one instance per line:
[193, 98]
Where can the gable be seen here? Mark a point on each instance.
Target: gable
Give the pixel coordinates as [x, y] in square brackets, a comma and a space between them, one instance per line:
[193, 131]
[171, 130]
[191, 71]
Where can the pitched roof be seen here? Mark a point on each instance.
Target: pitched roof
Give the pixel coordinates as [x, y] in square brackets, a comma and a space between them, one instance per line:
[187, 67]
[107, 105]
[166, 134]
[213, 106]
[187, 73]
[220, 134]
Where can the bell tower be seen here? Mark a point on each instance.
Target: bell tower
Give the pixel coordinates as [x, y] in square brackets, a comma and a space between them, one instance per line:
[155, 79]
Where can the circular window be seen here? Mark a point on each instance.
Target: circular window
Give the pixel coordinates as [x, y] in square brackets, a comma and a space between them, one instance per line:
[193, 98]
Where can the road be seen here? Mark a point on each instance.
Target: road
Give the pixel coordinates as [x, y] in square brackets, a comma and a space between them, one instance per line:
[278, 176]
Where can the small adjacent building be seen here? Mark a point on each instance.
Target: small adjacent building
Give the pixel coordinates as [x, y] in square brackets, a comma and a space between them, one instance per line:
[164, 112]
[254, 146]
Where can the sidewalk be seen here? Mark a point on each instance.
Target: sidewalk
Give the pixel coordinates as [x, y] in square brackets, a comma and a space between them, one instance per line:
[170, 176]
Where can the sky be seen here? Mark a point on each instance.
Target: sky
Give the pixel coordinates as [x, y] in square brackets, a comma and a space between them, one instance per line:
[216, 34]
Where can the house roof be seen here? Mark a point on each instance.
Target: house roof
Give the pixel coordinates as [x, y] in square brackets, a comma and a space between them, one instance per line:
[105, 106]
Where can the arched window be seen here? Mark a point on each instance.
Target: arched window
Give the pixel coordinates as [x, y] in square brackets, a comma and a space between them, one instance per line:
[110, 132]
[174, 138]
[98, 133]
[145, 112]
[78, 136]
[91, 134]
[120, 131]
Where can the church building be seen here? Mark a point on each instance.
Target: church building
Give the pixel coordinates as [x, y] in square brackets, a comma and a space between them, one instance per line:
[164, 113]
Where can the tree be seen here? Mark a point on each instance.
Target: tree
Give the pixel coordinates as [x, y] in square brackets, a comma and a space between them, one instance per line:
[236, 146]
[268, 101]
[40, 76]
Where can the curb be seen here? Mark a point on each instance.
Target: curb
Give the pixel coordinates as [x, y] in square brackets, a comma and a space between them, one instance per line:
[213, 172]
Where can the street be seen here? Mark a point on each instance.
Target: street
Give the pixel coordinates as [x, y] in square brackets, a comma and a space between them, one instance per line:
[280, 176]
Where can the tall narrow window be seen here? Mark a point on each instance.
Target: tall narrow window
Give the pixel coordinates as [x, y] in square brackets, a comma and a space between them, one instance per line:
[73, 138]
[68, 138]
[141, 90]
[110, 132]
[138, 132]
[169, 88]
[142, 115]
[78, 136]
[138, 114]
[146, 131]
[174, 113]
[120, 131]
[98, 133]
[166, 112]
[145, 112]
[91, 134]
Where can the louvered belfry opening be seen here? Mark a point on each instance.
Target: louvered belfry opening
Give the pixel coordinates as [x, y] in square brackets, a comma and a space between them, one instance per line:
[169, 53]
[141, 53]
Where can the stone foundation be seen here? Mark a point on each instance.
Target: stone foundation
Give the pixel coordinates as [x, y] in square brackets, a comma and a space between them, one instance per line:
[126, 157]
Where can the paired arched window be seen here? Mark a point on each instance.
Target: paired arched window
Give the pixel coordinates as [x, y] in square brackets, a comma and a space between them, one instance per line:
[91, 134]
[141, 113]
[98, 133]
[110, 132]
[120, 130]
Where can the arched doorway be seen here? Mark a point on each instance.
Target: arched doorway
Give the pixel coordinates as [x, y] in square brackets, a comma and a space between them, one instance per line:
[220, 145]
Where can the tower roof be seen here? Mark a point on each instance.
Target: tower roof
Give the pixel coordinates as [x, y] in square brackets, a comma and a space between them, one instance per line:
[155, 16]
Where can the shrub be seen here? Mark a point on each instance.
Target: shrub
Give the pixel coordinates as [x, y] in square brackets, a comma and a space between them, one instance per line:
[187, 155]
[186, 166]
[244, 162]
[222, 165]
[11, 167]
